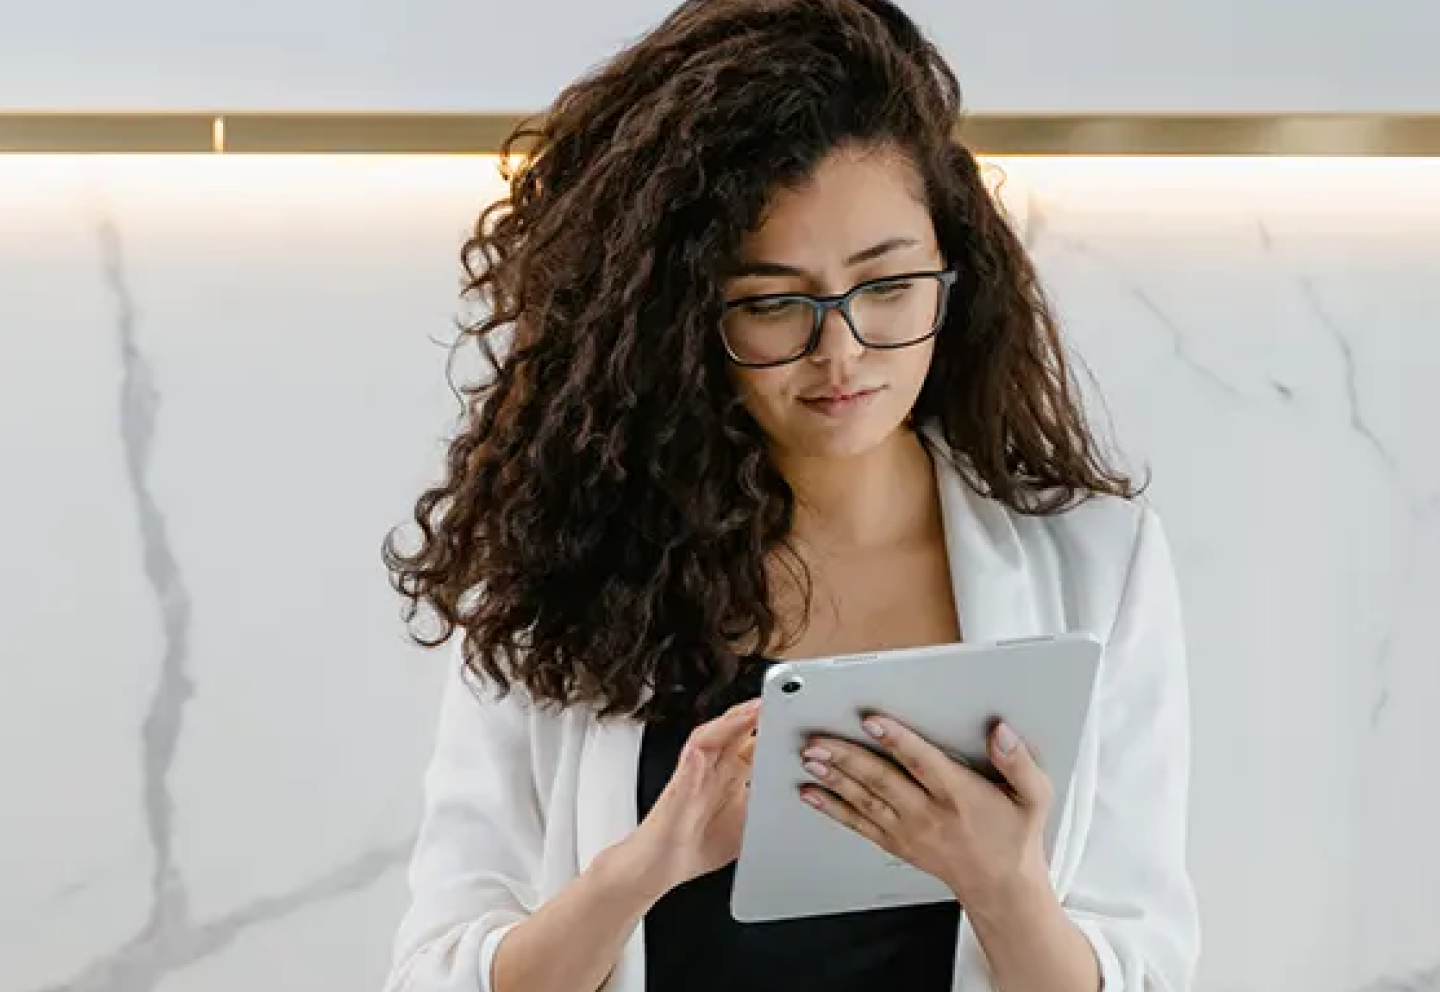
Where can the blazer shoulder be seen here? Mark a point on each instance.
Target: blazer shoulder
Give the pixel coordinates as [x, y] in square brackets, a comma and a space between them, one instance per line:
[1094, 547]
[1105, 525]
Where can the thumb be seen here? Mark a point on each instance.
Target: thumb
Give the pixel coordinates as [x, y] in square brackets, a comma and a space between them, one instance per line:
[1013, 759]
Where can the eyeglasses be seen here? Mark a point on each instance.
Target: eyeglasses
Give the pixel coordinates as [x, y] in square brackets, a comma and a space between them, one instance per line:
[891, 312]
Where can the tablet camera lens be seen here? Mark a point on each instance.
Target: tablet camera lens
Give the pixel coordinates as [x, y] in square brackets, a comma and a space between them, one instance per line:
[791, 686]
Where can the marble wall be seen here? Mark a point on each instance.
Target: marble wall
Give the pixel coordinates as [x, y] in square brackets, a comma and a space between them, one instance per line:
[220, 384]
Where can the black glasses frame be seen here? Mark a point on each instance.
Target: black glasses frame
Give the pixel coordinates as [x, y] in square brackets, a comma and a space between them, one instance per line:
[822, 305]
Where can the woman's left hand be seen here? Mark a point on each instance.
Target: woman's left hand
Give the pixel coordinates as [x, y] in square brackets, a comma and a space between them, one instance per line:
[983, 840]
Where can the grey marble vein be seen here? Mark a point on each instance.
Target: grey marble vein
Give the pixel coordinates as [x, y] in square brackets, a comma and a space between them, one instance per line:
[1340, 338]
[1361, 427]
[170, 939]
[156, 953]
[1358, 424]
[1177, 334]
[1425, 980]
[160, 734]
[1420, 513]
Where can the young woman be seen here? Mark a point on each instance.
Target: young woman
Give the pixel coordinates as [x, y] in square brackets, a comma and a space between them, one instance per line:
[779, 383]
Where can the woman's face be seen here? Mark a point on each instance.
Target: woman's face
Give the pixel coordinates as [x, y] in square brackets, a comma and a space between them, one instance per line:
[860, 217]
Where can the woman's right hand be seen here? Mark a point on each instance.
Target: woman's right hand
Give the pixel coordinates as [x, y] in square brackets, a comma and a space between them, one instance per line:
[695, 825]
[572, 941]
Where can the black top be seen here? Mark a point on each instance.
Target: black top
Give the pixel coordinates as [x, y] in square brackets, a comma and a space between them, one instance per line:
[693, 944]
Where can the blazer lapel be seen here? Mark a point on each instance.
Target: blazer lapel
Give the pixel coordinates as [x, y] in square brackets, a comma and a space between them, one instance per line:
[989, 574]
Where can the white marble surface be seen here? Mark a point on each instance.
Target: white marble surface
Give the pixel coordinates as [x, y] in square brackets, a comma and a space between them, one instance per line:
[218, 389]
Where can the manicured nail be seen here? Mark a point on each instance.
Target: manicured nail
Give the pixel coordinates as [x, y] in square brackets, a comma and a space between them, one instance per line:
[817, 769]
[874, 728]
[816, 753]
[811, 799]
[1005, 739]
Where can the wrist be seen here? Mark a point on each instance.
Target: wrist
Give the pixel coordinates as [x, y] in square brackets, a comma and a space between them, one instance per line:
[1017, 901]
[639, 863]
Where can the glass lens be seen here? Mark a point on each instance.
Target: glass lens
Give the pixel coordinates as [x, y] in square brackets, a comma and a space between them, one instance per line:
[771, 330]
[896, 311]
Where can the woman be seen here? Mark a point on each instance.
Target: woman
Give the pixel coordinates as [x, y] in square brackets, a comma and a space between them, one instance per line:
[781, 384]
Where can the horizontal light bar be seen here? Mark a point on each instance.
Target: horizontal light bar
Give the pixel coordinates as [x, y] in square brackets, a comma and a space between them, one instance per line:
[1355, 135]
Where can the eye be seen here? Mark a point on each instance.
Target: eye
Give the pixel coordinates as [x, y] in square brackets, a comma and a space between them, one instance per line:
[889, 290]
[764, 309]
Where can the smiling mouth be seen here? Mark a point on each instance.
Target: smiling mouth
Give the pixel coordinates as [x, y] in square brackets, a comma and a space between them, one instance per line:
[840, 402]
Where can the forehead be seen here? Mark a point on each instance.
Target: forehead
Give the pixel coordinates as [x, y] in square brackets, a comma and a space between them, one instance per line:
[854, 199]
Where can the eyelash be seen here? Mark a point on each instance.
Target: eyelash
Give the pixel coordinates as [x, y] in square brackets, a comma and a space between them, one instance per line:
[763, 305]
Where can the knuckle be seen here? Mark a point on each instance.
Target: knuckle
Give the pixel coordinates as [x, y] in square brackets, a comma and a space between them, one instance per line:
[947, 805]
[701, 747]
[873, 807]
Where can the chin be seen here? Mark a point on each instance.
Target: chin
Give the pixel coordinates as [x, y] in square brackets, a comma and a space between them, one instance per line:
[843, 440]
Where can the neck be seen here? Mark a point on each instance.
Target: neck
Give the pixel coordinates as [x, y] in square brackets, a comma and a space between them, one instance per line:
[879, 498]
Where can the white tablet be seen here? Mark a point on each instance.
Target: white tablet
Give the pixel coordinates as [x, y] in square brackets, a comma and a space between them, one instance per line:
[795, 861]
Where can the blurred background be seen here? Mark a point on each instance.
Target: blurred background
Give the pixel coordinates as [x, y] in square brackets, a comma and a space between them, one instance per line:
[222, 381]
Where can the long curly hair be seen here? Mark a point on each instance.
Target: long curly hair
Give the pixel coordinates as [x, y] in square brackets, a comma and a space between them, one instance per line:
[601, 530]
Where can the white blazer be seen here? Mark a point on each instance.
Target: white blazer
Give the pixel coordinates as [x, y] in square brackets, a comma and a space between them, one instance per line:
[519, 801]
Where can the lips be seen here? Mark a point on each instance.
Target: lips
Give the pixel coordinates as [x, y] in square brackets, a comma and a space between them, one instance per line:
[838, 401]
[838, 396]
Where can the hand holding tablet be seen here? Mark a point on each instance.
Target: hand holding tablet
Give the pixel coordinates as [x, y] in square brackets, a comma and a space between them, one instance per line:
[930, 807]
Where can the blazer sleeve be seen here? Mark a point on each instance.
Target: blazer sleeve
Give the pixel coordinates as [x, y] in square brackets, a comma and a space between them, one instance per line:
[479, 845]
[1131, 894]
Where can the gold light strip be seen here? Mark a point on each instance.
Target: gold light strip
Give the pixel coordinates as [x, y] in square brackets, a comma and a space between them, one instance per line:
[1405, 135]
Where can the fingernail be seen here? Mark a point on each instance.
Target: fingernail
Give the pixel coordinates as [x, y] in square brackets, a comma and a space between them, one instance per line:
[817, 769]
[874, 728]
[811, 799]
[1005, 739]
[816, 754]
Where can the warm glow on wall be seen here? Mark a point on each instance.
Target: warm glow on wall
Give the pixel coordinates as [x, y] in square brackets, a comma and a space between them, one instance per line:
[390, 185]
[1350, 187]
[1381, 169]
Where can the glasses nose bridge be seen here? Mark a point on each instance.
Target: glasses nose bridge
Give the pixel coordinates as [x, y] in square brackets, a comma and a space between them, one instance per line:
[839, 303]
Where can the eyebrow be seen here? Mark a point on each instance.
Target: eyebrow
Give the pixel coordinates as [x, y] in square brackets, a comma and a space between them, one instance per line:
[780, 269]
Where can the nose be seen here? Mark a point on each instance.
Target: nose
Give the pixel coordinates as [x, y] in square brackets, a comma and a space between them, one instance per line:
[838, 343]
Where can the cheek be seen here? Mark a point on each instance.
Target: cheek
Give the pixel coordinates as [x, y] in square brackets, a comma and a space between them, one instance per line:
[761, 388]
[911, 368]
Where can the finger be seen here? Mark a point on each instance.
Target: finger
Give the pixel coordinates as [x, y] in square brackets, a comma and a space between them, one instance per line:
[869, 782]
[720, 752]
[929, 766]
[842, 812]
[736, 759]
[867, 799]
[728, 728]
[746, 751]
[1013, 760]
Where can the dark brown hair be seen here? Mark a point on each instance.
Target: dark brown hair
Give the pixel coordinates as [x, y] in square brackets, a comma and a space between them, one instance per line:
[601, 531]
